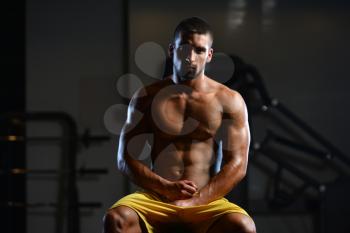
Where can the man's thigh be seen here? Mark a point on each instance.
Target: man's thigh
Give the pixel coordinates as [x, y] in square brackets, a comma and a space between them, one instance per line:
[124, 218]
[233, 223]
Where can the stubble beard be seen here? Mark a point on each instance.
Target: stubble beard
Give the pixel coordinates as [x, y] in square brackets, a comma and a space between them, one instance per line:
[188, 75]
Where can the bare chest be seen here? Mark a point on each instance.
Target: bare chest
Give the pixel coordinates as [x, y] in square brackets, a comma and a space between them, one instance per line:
[186, 117]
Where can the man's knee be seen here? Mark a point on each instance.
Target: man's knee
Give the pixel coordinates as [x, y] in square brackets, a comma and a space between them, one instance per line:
[242, 223]
[234, 223]
[120, 218]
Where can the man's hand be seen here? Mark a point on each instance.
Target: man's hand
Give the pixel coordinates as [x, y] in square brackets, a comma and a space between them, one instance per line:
[179, 190]
[195, 200]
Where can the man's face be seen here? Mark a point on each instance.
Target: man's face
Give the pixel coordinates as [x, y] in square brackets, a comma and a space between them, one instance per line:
[191, 52]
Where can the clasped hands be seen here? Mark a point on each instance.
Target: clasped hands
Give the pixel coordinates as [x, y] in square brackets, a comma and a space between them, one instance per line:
[182, 193]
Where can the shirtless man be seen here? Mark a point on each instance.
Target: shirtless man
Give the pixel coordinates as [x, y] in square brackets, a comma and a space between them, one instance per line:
[184, 118]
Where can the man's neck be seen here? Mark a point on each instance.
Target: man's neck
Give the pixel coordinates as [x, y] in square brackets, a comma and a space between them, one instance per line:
[198, 83]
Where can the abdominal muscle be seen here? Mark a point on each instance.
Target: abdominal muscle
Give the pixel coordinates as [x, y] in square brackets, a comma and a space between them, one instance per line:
[193, 164]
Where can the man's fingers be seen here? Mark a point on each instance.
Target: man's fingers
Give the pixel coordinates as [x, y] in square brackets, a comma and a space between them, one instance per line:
[190, 183]
[186, 193]
[189, 188]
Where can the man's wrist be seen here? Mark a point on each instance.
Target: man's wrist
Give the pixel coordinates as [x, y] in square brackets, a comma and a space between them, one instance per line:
[163, 187]
[201, 198]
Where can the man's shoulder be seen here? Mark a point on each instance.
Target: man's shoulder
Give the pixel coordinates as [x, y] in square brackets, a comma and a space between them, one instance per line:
[144, 95]
[223, 92]
[149, 90]
[230, 99]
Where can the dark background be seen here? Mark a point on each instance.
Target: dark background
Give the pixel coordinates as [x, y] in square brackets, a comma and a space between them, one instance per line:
[64, 56]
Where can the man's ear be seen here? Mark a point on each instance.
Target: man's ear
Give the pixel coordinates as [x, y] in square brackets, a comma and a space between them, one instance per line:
[210, 55]
[171, 50]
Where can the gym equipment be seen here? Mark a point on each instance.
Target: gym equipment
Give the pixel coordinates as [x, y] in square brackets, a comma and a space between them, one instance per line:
[304, 167]
[67, 204]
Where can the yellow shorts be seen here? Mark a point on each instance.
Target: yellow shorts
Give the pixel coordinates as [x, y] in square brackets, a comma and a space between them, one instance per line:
[155, 213]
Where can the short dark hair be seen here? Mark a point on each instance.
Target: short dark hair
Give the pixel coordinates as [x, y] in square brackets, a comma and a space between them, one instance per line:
[193, 25]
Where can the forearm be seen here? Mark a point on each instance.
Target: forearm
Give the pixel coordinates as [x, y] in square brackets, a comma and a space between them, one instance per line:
[142, 176]
[222, 183]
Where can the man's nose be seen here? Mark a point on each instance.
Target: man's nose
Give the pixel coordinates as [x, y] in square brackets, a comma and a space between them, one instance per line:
[191, 56]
